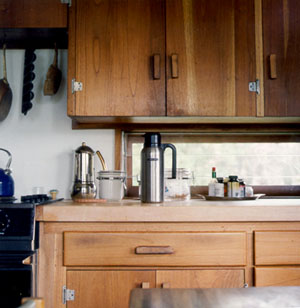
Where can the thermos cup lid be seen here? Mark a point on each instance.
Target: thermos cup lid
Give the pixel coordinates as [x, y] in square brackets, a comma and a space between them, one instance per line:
[152, 139]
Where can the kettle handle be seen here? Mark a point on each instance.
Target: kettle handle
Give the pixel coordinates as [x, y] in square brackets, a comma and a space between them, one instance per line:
[9, 158]
[172, 147]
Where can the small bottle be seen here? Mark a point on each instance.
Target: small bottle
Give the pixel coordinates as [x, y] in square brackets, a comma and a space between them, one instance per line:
[213, 181]
[233, 186]
[242, 188]
[226, 180]
[219, 188]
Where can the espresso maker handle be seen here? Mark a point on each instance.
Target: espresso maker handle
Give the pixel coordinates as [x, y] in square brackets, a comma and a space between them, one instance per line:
[172, 147]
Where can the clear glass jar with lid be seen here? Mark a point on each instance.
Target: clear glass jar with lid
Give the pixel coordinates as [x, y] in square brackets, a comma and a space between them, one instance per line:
[179, 188]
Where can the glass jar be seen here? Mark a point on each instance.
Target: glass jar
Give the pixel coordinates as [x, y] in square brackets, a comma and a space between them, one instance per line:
[111, 185]
[179, 188]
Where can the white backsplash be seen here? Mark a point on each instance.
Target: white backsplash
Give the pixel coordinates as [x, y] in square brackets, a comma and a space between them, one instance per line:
[42, 142]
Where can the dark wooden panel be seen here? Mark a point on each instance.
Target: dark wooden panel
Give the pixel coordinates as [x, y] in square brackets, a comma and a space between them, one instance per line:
[33, 14]
[214, 41]
[281, 31]
[115, 45]
[244, 41]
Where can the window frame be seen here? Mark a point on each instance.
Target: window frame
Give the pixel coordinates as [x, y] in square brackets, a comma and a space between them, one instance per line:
[214, 137]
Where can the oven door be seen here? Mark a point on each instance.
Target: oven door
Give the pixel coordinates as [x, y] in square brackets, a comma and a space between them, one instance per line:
[15, 283]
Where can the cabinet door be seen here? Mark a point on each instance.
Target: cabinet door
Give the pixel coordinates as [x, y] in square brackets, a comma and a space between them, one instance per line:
[281, 35]
[33, 14]
[210, 58]
[233, 278]
[107, 289]
[277, 276]
[119, 50]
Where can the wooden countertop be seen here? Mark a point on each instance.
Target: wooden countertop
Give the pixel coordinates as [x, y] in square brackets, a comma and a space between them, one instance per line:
[172, 211]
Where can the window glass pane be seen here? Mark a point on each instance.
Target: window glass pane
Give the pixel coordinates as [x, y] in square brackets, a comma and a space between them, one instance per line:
[256, 163]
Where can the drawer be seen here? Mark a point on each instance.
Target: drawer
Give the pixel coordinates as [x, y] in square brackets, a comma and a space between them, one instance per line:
[277, 247]
[154, 249]
[280, 276]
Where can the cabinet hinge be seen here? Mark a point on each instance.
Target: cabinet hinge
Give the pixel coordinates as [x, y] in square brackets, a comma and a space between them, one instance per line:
[76, 86]
[68, 295]
[69, 2]
[254, 86]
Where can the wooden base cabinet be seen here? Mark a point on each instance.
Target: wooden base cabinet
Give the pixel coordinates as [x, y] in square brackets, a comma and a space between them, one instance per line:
[280, 276]
[103, 261]
[277, 258]
[111, 288]
[107, 289]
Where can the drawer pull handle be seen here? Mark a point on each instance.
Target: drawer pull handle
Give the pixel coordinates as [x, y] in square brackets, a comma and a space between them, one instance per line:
[174, 66]
[156, 67]
[165, 285]
[273, 69]
[145, 285]
[154, 250]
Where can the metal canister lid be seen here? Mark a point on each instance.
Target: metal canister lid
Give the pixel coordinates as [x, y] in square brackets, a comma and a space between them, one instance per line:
[111, 175]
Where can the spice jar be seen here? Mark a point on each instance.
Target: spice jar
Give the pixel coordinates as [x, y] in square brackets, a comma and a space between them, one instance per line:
[233, 186]
[179, 188]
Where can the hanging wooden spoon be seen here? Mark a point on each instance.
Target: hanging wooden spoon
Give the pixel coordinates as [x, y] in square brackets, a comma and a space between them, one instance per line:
[53, 77]
[5, 91]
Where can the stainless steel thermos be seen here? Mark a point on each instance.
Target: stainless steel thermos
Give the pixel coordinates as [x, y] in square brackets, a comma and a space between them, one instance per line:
[152, 168]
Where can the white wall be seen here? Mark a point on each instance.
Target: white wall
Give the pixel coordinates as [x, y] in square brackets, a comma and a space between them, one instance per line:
[42, 143]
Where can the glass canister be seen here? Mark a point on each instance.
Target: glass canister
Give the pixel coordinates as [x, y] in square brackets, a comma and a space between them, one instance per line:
[111, 185]
[179, 188]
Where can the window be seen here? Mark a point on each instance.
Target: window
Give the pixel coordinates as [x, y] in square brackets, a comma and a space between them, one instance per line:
[260, 160]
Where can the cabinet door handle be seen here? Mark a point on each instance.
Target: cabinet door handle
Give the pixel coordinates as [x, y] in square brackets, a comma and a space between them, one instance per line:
[174, 65]
[273, 69]
[156, 66]
[154, 250]
[165, 285]
[145, 285]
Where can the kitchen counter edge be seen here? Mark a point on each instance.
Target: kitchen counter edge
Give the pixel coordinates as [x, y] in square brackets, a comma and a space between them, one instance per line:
[177, 211]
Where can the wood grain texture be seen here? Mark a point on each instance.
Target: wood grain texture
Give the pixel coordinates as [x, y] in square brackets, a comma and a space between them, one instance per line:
[214, 41]
[201, 278]
[71, 106]
[277, 248]
[108, 249]
[33, 14]
[107, 289]
[114, 51]
[280, 276]
[282, 37]
[260, 107]
[51, 273]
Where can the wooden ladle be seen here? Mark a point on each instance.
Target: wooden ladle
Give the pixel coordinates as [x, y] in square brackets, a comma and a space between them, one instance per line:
[53, 77]
[5, 91]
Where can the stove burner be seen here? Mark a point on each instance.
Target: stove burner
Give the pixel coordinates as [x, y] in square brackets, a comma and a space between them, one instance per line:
[37, 199]
[7, 199]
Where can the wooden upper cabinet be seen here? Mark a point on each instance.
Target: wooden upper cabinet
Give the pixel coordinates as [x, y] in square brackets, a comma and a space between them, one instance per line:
[210, 57]
[281, 33]
[120, 48]
[33, 14]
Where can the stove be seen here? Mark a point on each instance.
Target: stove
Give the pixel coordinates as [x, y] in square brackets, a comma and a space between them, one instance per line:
[18, 241]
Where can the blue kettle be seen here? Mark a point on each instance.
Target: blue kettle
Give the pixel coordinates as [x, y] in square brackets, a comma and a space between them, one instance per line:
[7, 186]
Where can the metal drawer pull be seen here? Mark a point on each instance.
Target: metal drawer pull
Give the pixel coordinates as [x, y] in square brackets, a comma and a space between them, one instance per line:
[273, 69]
[165, 285]
[174, 65]
[156, 67]
[154, 250]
